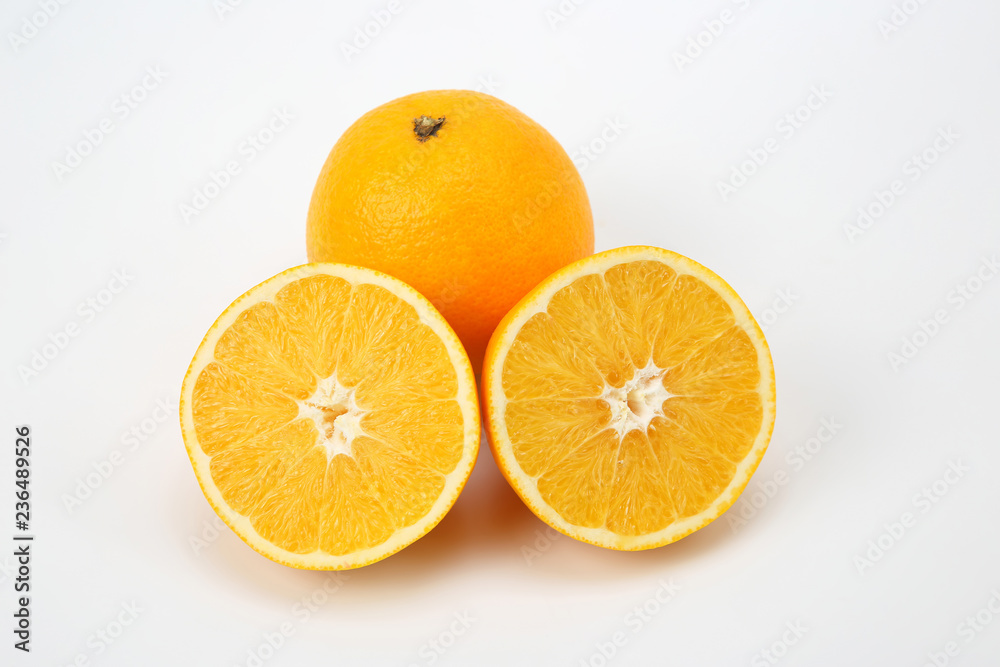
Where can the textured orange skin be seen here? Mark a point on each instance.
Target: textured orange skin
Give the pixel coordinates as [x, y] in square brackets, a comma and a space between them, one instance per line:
[473, 218]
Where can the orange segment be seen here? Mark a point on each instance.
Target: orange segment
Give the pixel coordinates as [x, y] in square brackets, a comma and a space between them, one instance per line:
[629, 398]
[641, 478]
[588, 319]
[257, 345]
[692, 316]
[289, 515]
[422, 431]
[544, 356]
[312, 310]
[723, 365]
[694, 473]
[405, 488]
[330, 415]
[354, 518]
[640, 291]
[536, 423]
[576, 487]
[245, 474]
[222, 397]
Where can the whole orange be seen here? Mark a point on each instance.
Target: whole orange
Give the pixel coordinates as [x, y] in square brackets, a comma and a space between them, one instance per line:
[458, 194]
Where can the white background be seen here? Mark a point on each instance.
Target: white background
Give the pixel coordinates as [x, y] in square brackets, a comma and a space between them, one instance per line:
[846, 300]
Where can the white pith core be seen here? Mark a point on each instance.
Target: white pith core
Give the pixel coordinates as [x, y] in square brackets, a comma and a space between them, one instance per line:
[638, 401]
[336, 415]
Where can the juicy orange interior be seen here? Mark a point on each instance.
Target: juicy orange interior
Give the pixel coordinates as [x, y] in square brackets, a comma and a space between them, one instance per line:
[330, 416]
[632, 399]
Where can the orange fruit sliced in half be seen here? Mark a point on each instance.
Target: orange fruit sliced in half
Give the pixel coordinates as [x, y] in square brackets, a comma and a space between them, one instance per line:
[629, 398]
[331, 417]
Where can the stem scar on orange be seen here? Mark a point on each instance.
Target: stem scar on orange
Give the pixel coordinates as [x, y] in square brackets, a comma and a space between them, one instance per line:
[458, 194]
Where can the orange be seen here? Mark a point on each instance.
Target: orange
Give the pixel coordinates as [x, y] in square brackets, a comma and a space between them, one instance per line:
[331, 417]
[629, 398]
[458, 194]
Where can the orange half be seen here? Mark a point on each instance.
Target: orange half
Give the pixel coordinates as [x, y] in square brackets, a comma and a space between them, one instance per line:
[629, 398]
[331, 417]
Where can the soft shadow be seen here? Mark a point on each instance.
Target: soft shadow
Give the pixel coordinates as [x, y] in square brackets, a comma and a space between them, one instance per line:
[485, 522]
[488, 528]
[487, 519]
[219, 554]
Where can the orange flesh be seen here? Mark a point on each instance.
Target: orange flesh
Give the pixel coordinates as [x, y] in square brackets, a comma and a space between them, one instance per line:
[607, 331]
[312, 471]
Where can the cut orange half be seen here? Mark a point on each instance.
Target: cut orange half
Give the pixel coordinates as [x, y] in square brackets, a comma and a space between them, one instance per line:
[331, 417]
[629, 398]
